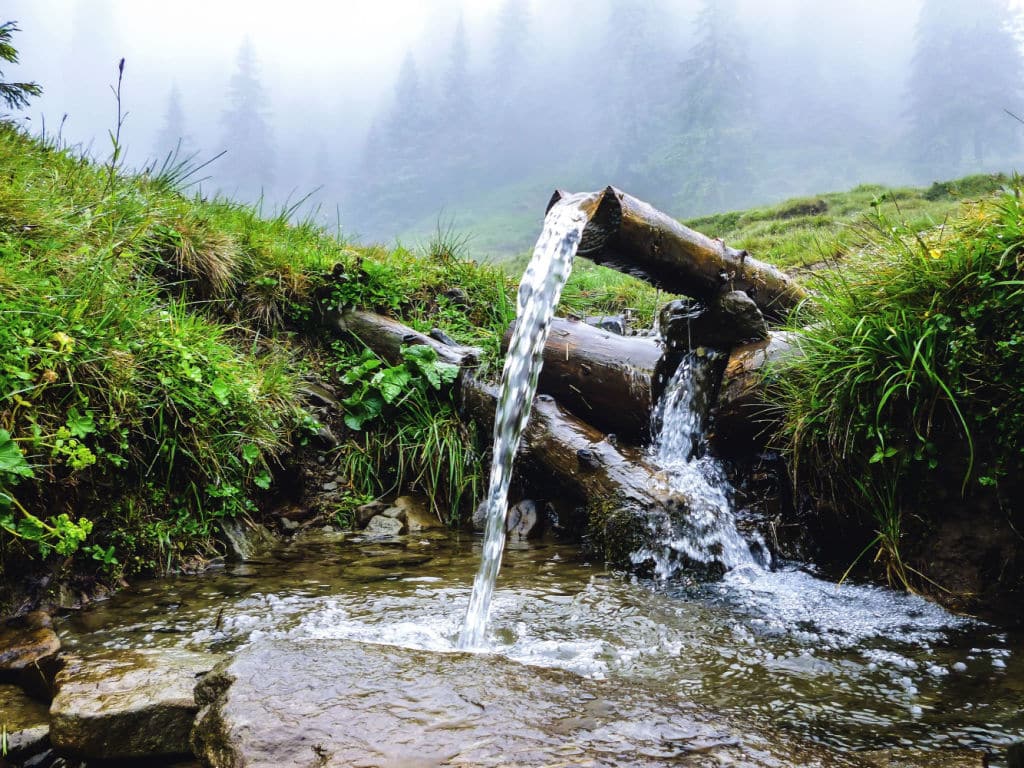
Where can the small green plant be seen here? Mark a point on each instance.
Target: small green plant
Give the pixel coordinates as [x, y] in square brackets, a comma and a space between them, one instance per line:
[376, 385]
[422, 444]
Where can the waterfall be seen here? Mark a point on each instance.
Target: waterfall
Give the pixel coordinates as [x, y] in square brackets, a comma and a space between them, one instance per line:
[538, 296]
[707, 533]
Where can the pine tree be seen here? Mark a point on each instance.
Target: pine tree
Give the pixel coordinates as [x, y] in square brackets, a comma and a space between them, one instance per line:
[966, 72]
[456, 147]
[14, 95]
[248, 165]
[715, 112]
[172, 137]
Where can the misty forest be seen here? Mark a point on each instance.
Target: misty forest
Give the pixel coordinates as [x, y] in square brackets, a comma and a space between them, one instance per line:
[696, 107]
[500, 383]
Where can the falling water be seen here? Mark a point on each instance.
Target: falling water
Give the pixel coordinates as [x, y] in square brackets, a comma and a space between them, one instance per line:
[708, 533]
[539, 291]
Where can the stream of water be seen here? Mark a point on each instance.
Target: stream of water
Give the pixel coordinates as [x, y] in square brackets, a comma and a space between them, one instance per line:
[850, 668]
[539, 291]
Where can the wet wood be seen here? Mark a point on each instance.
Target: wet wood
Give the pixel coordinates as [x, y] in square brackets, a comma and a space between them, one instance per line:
[632, 236]
[742, 420]
[606, 379]
[615, 486]
[386, 337]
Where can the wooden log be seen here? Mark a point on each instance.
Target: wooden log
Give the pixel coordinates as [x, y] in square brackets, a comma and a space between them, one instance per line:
[626, 503]
[607, 380]
[742, 420]
[386, 337]
[632, 236]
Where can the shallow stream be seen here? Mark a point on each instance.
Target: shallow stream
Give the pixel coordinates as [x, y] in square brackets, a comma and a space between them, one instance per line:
[851, 667]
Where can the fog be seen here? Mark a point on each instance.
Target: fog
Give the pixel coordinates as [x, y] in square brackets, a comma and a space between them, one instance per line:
[388, 118]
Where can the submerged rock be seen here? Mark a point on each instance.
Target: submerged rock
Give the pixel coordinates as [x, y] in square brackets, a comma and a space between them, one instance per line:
[920, 758]
[25, 721]
[338, 703]
[127, 704]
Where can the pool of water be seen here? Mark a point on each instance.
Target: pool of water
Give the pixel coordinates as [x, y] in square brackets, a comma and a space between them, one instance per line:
[851, 667]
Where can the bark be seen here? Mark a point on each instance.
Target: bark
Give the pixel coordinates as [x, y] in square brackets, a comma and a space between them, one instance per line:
[742, 420]
[386, 337]
[627, 504]
[607, 380]
[631, 236]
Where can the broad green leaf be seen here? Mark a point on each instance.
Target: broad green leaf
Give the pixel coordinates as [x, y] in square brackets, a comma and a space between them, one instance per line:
[12, 461]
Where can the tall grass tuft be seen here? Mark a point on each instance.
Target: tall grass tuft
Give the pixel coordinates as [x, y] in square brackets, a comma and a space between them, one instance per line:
[912, 368]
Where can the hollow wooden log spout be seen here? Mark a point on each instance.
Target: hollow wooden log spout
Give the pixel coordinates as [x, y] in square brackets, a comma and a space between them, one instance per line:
[632, 236]
[608, 380]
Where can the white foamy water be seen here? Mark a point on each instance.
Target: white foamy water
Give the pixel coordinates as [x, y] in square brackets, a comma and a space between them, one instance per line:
[707, 532]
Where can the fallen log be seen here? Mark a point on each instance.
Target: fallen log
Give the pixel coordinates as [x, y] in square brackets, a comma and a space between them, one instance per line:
[609, 381]
[629, 235]
[386, 337]
[742, 419]
[624, 503]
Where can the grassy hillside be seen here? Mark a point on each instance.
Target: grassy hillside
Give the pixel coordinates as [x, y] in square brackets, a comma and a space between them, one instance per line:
[808, 230]
[152, 347]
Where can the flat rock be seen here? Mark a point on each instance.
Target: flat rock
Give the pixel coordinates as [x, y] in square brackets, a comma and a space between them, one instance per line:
[26, 641]
[127, 704]
[380, 525]
[25, 720]
[392, 560]
[279, 704]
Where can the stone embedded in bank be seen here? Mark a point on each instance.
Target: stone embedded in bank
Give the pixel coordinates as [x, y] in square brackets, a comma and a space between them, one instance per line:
[127, 704]
[25, 641]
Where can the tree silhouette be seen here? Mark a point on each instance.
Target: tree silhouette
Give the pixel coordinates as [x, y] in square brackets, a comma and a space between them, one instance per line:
[15, 95]
[172, 137]
[249, 162]
[966, 71]
[715, 111]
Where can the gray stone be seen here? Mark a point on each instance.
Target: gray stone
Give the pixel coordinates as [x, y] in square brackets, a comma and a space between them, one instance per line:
[380, 525]
[521, 520]
[365, 512]
[612, 323]
[279, 704]
[331, 486]
[127, 704]
[248, 539]
[25, 720]
[480, 516]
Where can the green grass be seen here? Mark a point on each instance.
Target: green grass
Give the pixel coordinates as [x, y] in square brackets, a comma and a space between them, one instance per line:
[910, 387]
[151, 345]
[809, 230]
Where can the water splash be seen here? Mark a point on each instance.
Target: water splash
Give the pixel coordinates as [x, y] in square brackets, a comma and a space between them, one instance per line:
[539, 292]
[707, 533]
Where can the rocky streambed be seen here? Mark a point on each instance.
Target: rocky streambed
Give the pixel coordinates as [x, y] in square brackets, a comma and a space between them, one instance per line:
[339, 649]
